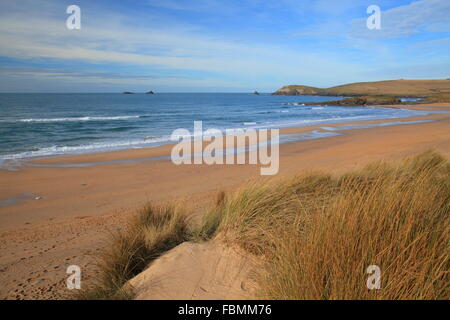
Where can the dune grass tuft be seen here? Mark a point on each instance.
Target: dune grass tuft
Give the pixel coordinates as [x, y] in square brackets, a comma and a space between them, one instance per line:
[210, 220]
[318, 234]
[151, 232]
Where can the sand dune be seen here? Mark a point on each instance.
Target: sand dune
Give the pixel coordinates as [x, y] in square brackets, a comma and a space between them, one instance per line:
[210, 270]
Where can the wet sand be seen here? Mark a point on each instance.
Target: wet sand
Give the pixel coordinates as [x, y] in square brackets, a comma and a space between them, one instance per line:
[75, 206]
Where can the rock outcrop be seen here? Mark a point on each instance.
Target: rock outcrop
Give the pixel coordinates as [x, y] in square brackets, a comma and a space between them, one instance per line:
[358, 101]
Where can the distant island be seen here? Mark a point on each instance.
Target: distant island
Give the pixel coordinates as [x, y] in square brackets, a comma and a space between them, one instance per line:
[433, 89]
[129, 92]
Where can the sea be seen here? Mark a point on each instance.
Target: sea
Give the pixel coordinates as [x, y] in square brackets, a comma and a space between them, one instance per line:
[35, 125]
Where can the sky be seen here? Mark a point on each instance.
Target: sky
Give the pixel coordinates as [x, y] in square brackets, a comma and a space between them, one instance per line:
[218, 46]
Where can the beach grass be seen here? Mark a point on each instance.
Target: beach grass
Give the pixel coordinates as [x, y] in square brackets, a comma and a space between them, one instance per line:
[315, 234]
[150, 233]
[318, 234]
[210, 220]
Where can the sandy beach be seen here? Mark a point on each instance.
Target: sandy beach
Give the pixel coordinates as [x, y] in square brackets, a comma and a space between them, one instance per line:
[76, 206]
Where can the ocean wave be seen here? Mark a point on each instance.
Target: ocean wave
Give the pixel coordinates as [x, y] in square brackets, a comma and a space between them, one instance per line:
[270, 112]
[86, 148]
[293, 104]
[145, 139]
[307, 122]
[120, 129]
[74, 119]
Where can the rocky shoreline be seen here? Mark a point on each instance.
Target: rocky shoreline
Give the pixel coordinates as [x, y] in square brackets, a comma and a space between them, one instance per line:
[358, 101]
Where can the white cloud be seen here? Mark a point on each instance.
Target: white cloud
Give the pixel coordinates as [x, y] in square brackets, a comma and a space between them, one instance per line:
[423, 15]
[413, 71]
[156, 43]
[111, 38]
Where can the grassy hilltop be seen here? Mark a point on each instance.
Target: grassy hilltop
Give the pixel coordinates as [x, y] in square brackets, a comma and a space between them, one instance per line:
[399, 88]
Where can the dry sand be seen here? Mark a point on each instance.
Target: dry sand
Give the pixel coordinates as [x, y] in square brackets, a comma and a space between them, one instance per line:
[203, 271]
[68, 224]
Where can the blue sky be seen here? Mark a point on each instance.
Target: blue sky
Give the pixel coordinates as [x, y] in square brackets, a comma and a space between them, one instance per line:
[218, 46]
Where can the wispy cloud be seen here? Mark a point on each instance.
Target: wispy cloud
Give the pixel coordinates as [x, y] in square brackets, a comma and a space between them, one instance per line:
[78, 74]
[416, 71]
[210, 43]
[418, 16]
[101, 41]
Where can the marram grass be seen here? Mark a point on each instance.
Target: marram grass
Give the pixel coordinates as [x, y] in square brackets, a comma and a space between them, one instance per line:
[152, 231]
[318, 234]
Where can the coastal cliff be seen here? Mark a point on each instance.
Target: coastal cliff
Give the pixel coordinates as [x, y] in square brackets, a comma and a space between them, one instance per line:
[398, 88]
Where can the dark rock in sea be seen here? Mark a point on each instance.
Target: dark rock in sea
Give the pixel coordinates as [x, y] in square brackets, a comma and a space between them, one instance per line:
[149, 92]
[359, 101]
[256, 93]
[128, 92]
